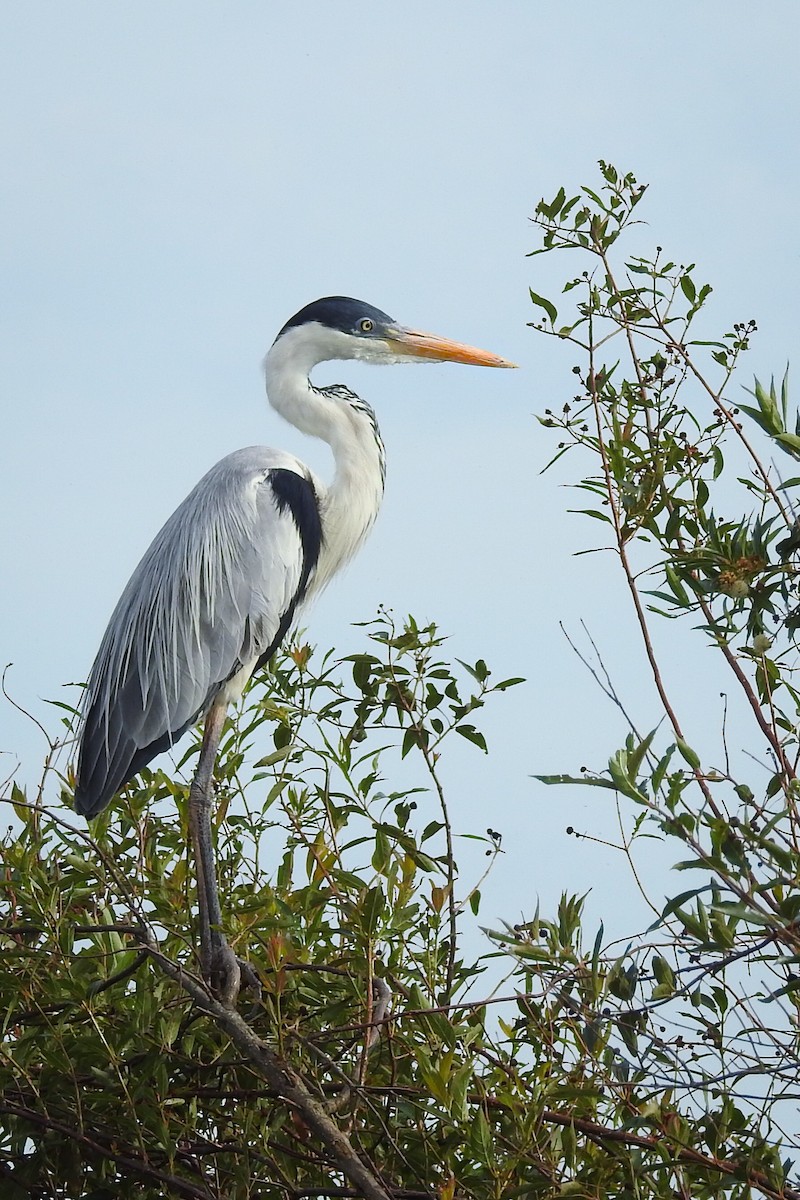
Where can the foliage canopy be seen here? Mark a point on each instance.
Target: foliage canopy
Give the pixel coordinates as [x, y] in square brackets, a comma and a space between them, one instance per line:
[664, 1066]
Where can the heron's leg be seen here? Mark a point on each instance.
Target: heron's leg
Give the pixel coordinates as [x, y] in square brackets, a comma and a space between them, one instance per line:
[220, 964]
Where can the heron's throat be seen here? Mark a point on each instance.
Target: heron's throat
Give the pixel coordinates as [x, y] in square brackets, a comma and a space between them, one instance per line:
[350, 505]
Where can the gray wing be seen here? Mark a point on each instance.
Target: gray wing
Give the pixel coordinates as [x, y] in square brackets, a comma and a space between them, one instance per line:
[216, 591]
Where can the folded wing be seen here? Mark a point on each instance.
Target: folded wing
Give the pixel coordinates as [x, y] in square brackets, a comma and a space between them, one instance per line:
[215, 594]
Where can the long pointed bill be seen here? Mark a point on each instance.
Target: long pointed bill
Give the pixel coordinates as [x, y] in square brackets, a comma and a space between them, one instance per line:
[427, 345]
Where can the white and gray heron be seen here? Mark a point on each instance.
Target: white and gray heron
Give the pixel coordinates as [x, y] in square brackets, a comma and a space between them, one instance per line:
[225, 579]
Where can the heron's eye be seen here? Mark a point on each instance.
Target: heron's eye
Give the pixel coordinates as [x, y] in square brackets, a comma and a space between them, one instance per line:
[366, 326]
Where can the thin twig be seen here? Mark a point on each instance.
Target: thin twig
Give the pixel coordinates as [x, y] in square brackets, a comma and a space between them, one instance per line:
[633, 589]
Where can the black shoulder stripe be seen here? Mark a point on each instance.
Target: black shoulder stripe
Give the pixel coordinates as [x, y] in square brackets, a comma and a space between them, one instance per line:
[296, 493]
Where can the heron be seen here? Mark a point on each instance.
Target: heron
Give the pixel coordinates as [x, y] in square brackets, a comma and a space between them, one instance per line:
[229, 573]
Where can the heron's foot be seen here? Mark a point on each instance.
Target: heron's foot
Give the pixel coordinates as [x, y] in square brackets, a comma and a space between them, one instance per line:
[228, 974]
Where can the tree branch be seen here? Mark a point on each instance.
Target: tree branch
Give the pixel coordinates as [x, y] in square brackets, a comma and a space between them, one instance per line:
[288, 1084]
[181, 1187]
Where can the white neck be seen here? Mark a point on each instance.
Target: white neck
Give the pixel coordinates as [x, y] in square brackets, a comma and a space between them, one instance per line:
[350, 504]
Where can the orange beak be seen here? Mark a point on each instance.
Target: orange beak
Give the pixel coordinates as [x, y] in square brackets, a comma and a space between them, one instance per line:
[427, 345]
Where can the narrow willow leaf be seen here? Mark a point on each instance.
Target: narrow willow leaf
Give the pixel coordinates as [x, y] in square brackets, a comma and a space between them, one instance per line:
[585, 780]
[689, 755]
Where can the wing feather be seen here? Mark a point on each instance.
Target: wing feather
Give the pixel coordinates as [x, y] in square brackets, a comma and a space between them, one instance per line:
[217, 588]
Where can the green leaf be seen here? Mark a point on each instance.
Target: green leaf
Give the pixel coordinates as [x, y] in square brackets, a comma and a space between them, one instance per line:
[592, 512]
[362, 668]
[790, 443]
[636, 756]
[733, 908]
[663, 972]
[381, 855]
[373, 905]
[623, 781]
[673, 905]
[19, 800]
[681, 595]
[473, 735]
[786, 990]
[480, 672]
[585, 780]
[508, 683]
[688, 754]
[547, 305]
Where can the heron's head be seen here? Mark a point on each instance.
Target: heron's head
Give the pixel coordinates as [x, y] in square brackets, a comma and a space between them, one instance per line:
[338, 327]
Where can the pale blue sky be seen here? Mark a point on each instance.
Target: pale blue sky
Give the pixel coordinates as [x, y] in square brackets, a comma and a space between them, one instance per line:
[178, 179]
